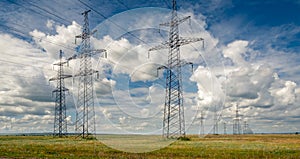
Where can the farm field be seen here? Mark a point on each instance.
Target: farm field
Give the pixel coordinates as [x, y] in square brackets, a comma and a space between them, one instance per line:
[212, 146]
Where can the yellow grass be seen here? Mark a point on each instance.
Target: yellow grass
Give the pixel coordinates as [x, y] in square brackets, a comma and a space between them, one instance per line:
[212, 146]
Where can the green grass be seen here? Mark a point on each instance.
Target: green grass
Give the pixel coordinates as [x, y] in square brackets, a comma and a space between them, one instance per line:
[212, 146]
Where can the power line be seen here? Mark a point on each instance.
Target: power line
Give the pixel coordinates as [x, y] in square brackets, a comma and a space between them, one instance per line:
[119, 26]
[17, 63]
[23, 76]
[27, 35]
[122, 3]
[69, 21]
[167, 3]
[39, 12]
[57, 16]
[105, 17]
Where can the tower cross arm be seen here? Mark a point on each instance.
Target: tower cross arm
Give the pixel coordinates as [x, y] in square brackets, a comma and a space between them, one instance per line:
[164, 45]
[84, 35]
[99, 51]
[185, 41]
[62, 89]
[175, 22]
[160, 68]
[62, 77]
[184, 63]
[72, 57]
[60, 63]
[91, 52]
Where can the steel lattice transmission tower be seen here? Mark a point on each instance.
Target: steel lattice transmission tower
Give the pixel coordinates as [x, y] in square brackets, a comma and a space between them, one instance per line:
[225, 128]
[85, 115]
[201, 123]
[60, 121]
[236, 122]
[173, 120]
[216, 122]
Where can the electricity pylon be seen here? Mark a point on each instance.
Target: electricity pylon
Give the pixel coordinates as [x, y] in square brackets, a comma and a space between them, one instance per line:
[216, 122]
[85, 113]
[236, 122]
[201, 123]
[60, 119]
[225, 128]
[173, 120]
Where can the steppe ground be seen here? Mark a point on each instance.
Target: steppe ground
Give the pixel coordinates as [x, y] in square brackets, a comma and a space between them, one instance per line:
[211, 146]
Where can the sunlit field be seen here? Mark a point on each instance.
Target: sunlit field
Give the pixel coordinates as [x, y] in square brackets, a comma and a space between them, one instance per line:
[212, 146]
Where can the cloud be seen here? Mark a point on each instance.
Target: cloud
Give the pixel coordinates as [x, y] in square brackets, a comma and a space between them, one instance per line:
[256, 87]
[50, 24]
[22, 87]
[62, 40]
[107, 114]
[285, 94]
[243, 72]
[235, 50]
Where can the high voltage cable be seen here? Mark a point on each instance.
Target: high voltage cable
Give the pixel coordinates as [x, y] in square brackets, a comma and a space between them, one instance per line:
[122, 3]
[30, 77]
[167, 3]
[116, 24]
[18, 63]
[61, 45]
[27, 35]
[50, 12]
[39, 12]
[105, 17]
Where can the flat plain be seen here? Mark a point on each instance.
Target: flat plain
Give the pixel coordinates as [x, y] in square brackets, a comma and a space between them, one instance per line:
[210, 146]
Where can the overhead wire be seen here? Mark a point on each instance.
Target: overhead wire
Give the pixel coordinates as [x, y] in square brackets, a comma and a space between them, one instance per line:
[26, 34]
[105, 17]
[51, 13]
[69, 21]
[167, 3]
[119, 26]
[39, 38]
[28, 8]
[21, 5]
[123, 4]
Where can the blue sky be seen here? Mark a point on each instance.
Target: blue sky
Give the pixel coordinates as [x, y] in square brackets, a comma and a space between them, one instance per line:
[250, 58]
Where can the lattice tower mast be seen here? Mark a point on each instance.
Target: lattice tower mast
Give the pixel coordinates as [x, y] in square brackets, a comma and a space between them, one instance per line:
[225, 128]
[245, 128]
[216, 122]
[173, 120]
[60, 118]
[201, 123]
[85, 115]
[236, 122]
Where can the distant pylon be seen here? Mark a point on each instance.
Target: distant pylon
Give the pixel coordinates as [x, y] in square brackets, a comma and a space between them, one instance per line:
[85, 113]
[247, 129]
[60, 119]
[245, 126]
[216, 122]
[236, 122]
[173, 118]
[225, 128]
[201, 123]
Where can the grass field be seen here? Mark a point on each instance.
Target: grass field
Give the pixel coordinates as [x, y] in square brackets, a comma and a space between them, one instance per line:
[212, 146]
